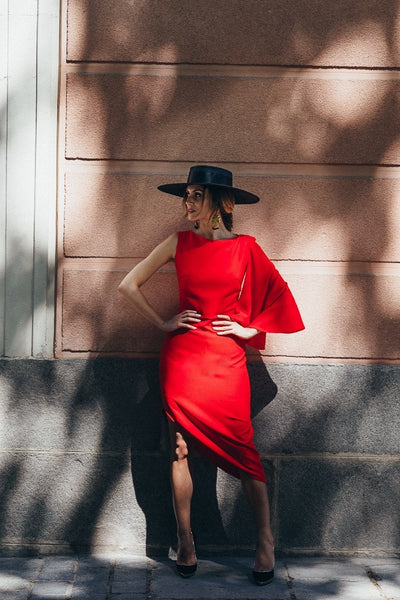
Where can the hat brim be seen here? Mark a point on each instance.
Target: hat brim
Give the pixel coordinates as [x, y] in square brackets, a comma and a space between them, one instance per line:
[241, 196]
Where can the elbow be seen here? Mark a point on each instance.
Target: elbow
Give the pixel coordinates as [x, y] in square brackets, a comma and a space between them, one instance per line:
[123, 288]
[126, 288]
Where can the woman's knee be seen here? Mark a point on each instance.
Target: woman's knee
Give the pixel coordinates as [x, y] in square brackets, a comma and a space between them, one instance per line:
[179, 444]
[181, 447]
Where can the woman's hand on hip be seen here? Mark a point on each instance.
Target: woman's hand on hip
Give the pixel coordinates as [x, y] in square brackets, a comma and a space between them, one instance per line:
[225, 326]
[183, 319]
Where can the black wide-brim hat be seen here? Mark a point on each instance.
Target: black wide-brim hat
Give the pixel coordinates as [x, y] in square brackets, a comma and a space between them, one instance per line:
[214, 177]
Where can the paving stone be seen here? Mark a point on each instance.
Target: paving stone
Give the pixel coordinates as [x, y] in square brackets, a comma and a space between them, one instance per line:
[16, 595]
[92, 575]
[57, 568]
[16, 575]
[12, 582]
[343, 590]
[321, 569]
[125, 565]
[220, 578]
[217, 578]
[91, 562]
[130, 596]
[94, 580]
[344, 578]
[27, 568]
[87, 595]
[130, 577]
[49, 589]
[387, 576]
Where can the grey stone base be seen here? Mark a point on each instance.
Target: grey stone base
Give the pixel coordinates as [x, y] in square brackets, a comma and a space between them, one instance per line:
[84, 460]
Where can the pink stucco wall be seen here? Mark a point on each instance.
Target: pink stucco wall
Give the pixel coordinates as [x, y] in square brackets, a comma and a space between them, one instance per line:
[299, 99]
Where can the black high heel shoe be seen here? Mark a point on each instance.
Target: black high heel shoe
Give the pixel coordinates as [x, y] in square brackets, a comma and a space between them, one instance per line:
[188, 570]
[263, 577]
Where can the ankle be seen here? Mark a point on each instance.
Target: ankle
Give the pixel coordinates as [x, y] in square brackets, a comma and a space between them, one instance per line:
[184, 533]
[265, 536]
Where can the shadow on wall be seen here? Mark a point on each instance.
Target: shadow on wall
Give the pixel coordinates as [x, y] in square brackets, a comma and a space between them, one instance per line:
[96, 416]
[67, 451]
[71, 430]
[75, 433]
[308, 127]
[313, 123]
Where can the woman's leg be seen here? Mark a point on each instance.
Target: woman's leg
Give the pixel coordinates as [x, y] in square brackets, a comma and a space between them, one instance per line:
[257, 496]
[182, 490]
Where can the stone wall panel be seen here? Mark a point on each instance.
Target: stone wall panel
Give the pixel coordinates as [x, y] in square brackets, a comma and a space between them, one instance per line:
[355, 317]
[325, 409]
[333, 219]
[244, 119]
[348, 516]
[96, 318]
[98, 479]
[264, 32]
[55, 503]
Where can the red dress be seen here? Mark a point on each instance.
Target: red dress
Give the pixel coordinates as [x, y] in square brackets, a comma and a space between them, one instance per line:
[204, 379]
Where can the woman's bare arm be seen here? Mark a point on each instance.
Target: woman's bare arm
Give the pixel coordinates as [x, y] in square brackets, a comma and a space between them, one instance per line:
[130, 287]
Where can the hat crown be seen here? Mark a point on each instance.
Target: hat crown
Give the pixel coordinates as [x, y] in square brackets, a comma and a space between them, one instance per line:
[207, 175]
[210, 176]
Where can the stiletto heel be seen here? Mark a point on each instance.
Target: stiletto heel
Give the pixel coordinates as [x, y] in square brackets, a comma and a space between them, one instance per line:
[187, 570]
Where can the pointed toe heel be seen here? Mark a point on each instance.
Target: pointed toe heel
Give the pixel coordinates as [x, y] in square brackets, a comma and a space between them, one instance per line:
[263, 577]
[186, 570]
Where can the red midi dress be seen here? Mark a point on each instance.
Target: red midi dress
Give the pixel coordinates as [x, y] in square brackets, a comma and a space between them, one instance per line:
[204, 380]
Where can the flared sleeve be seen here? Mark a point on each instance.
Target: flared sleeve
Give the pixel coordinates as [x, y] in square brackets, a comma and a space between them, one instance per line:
[266, 302]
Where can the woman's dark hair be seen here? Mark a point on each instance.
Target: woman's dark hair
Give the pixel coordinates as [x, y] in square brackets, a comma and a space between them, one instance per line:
[223, 201]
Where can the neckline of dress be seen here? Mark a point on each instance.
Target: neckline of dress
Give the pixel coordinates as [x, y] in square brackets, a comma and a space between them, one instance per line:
[235, 237]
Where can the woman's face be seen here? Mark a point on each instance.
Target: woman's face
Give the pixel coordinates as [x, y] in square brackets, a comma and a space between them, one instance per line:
[197, 203]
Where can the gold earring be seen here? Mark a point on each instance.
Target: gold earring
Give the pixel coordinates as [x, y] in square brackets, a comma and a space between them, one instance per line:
[215, 221]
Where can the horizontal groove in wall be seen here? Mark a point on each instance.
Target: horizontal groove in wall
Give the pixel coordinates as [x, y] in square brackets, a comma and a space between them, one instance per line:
[241, 71]
[263, 357]
[296, 267]
[62, 452]
[289, 170]
[367, 552]
[156, 453]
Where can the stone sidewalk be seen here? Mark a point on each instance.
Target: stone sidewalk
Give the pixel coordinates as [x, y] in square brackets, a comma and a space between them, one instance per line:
[217, 578]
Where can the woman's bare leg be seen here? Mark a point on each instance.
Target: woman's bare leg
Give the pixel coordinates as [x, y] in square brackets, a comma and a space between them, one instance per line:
[182, 491]
[257, 496]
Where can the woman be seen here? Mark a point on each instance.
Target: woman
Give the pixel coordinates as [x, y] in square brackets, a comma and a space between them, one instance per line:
[230, 295]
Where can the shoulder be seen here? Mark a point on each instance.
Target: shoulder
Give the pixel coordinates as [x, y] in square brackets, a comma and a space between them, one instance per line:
[248, 239]
[256, 252]
[165, 250]
[250, 242]
[171, 240]
[171, 243]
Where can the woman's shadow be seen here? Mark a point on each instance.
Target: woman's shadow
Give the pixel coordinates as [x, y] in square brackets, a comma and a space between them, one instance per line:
[150, 465]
